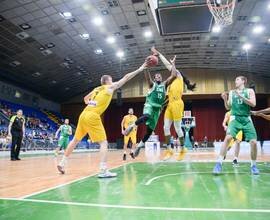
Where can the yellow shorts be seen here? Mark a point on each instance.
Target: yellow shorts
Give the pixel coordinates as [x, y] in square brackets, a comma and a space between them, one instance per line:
[132, 137]
[239, 137]
[90, 123]
[174, 110]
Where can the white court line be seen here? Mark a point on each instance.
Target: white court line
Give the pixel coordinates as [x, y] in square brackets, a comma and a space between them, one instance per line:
[67, 183]
[140, 207]
[188, 173]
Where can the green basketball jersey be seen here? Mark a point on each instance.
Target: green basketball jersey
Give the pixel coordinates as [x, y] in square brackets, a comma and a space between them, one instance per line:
[156, 96]
[65, 130]
[238, 107]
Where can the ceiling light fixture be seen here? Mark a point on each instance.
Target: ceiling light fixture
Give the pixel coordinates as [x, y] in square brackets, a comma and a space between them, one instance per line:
[258, 29]
[110, 39]
[98, 21]
[120, 54]
[148, 34]
[247, 46]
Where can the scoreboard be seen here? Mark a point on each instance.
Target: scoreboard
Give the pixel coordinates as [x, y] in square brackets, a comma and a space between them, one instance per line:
[173, 3]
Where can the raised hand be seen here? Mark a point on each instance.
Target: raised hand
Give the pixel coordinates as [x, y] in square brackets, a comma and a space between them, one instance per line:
[172, 61]
[154, 51]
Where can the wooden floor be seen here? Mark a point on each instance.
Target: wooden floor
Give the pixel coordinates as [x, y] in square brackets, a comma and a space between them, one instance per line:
[34, 174]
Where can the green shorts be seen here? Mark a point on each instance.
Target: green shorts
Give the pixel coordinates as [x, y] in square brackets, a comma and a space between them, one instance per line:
[242, 123]
[153, 113]
[63, 142]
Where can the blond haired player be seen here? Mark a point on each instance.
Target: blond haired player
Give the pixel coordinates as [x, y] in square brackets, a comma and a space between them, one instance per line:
[128, 120]
[175, 107]
[90, 122]
[236, 142]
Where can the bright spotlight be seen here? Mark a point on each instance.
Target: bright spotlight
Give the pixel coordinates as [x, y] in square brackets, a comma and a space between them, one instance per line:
[247, 46]
[98, 21]
[148, 34]
[258, 29]
[110, 40]
[120, 54]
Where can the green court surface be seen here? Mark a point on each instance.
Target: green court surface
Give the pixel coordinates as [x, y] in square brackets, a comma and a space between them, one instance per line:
[153, 191]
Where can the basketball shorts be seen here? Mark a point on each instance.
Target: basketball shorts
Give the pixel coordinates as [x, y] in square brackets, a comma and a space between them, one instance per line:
[244, 124]
[63, 142]
[153, 113]
[90, 123]
[174, 110]
[239, 137]
[131, 137]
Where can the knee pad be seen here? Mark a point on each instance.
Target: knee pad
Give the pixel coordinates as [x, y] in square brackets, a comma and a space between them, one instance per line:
[178, 129]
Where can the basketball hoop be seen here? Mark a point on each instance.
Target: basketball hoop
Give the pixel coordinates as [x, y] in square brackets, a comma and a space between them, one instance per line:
[222, 10]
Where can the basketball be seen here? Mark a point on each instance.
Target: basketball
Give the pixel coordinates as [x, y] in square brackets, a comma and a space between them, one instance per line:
[152, 60]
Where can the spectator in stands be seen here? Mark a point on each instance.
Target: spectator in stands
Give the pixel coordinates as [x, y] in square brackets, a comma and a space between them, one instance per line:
[16, 130]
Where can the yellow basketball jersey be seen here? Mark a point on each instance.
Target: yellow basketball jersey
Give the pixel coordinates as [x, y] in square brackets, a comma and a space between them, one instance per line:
[100, 99]
[129, 119]
[176, 89]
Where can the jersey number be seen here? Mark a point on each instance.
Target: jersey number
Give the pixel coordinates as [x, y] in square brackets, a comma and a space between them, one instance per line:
[160, 96]
[239, 101]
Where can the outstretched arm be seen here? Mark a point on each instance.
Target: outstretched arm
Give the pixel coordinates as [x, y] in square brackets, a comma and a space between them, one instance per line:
[264, 111]
[148, 78]
[127, 77]
[173, 73]
[267, 117]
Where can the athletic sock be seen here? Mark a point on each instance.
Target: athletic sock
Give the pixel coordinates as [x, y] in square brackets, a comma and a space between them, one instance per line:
[141, 144]
[63, 161]
[125, 152]
[103, 166]
[236, 158]
[253, 162]
[220, 159]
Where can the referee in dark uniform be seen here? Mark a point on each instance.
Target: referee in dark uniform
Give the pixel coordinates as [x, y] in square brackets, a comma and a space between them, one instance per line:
[16, 130]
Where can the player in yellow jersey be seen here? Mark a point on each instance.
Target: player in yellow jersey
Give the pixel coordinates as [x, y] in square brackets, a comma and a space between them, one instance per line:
[90, 122]
[175, 107]
[127, 121]
[236, 142]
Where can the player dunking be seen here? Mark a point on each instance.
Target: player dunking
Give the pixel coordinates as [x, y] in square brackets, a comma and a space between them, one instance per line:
[65, 131]
[90, 122]
[153, 104]
[175, 107]
[128, 120]
[240, 101]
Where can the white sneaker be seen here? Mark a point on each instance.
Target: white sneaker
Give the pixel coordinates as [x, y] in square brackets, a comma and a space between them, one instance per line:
[106, 174]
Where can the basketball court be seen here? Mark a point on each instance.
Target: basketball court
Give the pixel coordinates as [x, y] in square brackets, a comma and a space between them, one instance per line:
[54, 52]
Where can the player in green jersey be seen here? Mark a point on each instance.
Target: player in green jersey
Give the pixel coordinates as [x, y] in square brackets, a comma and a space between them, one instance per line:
[65, 131]
[153, 104]
[239, 102]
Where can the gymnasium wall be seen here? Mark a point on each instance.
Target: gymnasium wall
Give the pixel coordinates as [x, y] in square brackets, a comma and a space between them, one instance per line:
[209, 81]
[17, 95]
[208, 110]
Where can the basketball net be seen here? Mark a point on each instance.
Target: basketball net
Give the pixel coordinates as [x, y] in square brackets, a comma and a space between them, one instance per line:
[222, 10]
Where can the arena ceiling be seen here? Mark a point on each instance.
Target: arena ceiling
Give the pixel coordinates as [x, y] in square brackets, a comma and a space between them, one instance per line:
[60, 54]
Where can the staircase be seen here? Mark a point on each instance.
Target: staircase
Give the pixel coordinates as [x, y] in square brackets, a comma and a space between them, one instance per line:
[53, 117]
